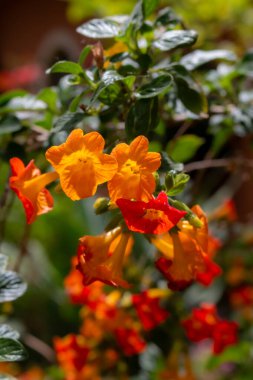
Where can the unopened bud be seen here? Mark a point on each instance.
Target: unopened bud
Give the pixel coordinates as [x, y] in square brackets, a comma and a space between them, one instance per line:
[98, 54]
[101, 205]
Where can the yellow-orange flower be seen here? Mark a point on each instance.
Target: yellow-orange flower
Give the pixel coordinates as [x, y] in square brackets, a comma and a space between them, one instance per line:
[134, 178]
[117, 48]
[29, 185]
[100, 258]
[187, 254]
[81, 164]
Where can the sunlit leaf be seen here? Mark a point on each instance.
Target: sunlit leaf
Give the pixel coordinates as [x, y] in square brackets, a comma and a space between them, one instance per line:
[66, 67]
[198, 58]
[155, 87]
[184, 147]
[100, 28]
[174, 39]
[11, 286]
[11, 350]
[8, 332]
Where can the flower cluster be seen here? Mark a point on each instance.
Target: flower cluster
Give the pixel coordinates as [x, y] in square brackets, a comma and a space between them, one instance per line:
[204, 323]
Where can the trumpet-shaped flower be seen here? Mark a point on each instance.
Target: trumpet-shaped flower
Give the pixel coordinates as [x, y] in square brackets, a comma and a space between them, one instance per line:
[187, 255]
[134, 178]
[29, 185]
[153, 217]
[149, 310]
[81, 164]
[100, 258]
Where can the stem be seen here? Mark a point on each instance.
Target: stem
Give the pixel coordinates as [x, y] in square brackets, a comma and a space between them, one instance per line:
[39, 346]
[23, 247]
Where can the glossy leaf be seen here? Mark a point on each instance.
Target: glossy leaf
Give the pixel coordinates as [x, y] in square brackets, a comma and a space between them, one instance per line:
[11, 286]
[66, 67]
[11, 350]
[174, 39]
[155, 87]
[83, 55]
[100, 28]
[10, 124]
[8, 332]
[198, 58]
[166, 17]
[68, 121]
[142, 117]
[184, 147]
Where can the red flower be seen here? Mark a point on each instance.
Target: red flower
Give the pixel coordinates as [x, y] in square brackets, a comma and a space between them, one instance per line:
[130, 341]
[148, 310]
[200, 325]
[153, 217]
[205, 323]
[224, 334]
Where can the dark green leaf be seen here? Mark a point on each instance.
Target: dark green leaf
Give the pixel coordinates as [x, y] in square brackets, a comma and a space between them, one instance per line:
[142, 117]
[167, 17]
[3, 262]
[68, 121]
[8, 332]
[198, 58]
[245, 67]
[169, 164]
[149, 6]
[11, 286]
[174, 39]
[49, 96]
[67, 67]
[100, 28]
[10, 124]
[133, 25]
[155, 87]
[11, 350]
[184, 147]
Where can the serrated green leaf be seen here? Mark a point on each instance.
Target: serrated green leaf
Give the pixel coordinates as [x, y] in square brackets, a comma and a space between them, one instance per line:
[8, 332]
[149, 6]
[175, 38]
[66, 67]
[3, 262]
[11, 350]
[155, 87]
[11, 286]
[100, 28]
[175, 182]
[184, 147]
[198, 58]
[142, 117]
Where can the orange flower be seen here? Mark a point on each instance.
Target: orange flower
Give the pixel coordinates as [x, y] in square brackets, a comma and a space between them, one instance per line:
[134, 178]
[186, 254]
[100, 258]
[29, 185]
[117, 48]
[81, 164]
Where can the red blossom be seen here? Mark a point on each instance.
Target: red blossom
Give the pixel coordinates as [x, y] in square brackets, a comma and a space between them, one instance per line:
[130, 341]
[224, 334]
[153, 217]
[148, 310]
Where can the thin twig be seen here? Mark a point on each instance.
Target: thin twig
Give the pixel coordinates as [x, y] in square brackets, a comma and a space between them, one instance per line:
[218, 163]
[39, 346]
[23, 247]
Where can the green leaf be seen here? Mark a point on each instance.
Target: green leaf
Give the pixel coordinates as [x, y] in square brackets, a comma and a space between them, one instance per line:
[174, 39]
[3, 262]
[67, 122]
[83, 55]
[198, 58]
[175, 182]
[10, 124]
[184, 147]
[7, 96]
[67, 67]
[49, 96]
[142, 117]
[11, 350]
[235, 354]
[132, 26]
[100, 28]
[166, 17]
[11, 286]
[169, 164]
[155, 87]
[245, 67]
[8, 332]
[149, 6]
